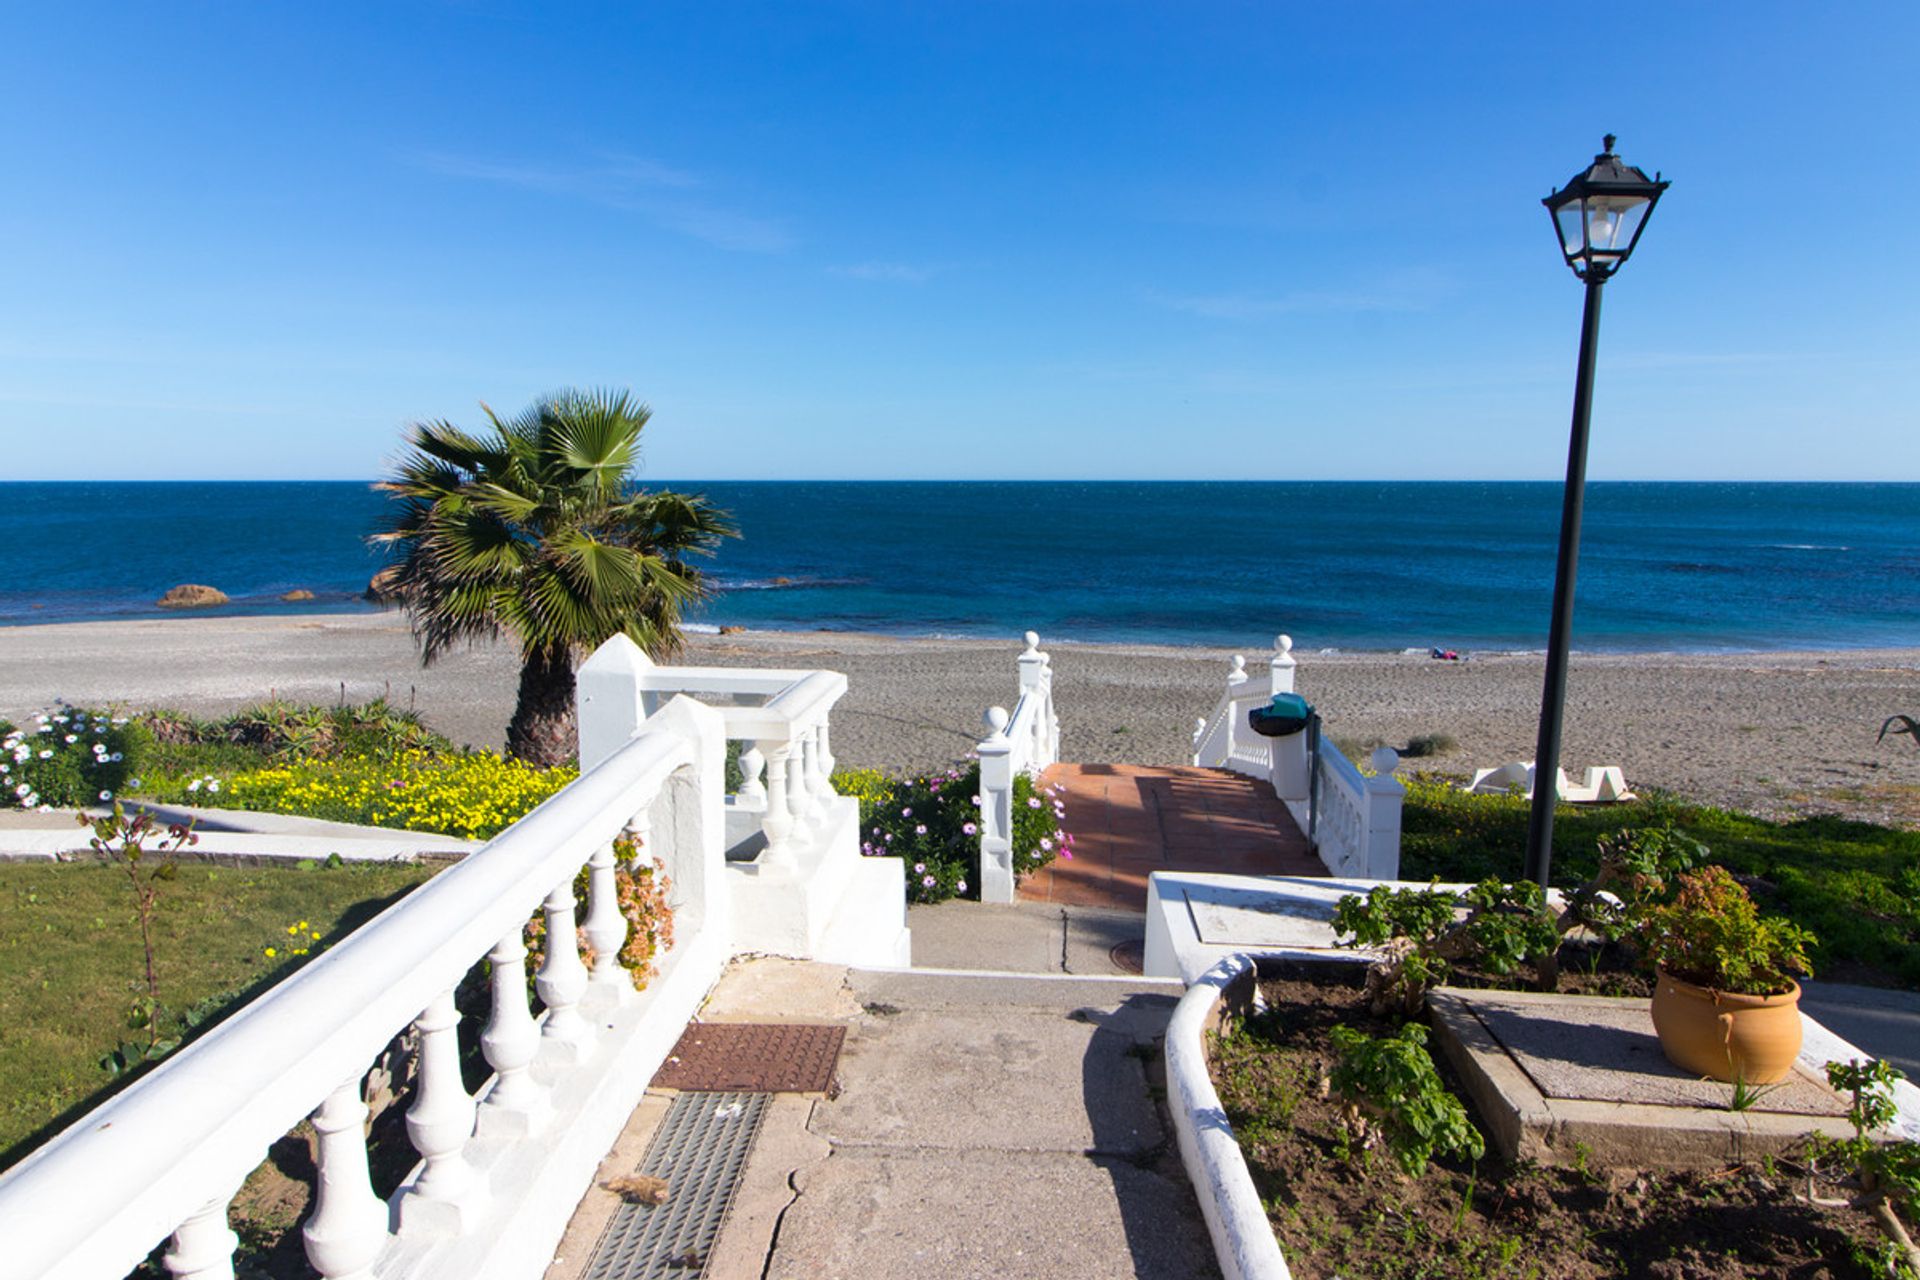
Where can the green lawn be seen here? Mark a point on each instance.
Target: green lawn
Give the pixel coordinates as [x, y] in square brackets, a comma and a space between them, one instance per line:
[1855, 884]
[71, 965]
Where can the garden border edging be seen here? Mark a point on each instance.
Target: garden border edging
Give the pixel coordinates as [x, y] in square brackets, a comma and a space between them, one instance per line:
[1243, 1242]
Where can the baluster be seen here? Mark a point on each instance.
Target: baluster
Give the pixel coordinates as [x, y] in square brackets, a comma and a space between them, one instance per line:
[753, 792]
[778, 823]
[827, 762]
[605, 927]
[439, 1123]
[516, 1104]
[807, 791]
[203, 1245]
[797, 782]
[349, 1223]
[562, 979]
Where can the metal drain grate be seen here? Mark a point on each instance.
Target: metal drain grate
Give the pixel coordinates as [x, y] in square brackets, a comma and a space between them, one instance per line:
[756, 1057]
[699, 1150]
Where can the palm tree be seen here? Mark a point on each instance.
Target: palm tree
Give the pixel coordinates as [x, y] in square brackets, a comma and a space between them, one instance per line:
[533, 527]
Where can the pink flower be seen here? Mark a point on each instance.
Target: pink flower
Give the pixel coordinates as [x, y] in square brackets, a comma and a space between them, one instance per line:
[969, 828]
[927, 881]
[906, 813]
[919, 828]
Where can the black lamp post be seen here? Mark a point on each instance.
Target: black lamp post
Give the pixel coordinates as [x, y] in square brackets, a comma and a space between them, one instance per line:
[1598, 217]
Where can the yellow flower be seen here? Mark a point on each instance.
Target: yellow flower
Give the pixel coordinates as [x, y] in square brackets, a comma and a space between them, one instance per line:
[271, 953]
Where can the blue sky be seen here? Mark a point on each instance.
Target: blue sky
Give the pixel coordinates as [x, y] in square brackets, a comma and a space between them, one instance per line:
[972, 240]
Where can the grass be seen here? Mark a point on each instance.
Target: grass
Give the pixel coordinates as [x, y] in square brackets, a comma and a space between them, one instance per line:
[70, 963]
[1856, 885]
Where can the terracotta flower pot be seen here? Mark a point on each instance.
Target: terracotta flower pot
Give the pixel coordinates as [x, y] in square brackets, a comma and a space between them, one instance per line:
[1725, 1035]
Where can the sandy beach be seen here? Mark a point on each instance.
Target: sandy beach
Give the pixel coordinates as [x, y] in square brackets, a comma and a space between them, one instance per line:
[1777, 733]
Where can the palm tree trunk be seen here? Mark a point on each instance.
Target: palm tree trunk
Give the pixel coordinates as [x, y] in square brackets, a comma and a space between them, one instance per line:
[543, 731]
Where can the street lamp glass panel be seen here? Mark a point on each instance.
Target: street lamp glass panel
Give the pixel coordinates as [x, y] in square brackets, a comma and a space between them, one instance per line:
[1613, 221]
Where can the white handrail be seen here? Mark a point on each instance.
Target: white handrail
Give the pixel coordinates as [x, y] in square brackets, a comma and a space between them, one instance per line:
[92, 1201]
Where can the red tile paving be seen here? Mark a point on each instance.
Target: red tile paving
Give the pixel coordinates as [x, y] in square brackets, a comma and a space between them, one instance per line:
[1129, 821]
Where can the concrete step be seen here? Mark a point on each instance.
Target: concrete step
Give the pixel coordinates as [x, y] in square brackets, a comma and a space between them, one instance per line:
[869, 927]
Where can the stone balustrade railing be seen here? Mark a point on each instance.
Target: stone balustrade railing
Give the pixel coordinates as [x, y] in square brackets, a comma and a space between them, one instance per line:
[1353, 819]
[502, 1168]
[781, 718]
[1027, 740]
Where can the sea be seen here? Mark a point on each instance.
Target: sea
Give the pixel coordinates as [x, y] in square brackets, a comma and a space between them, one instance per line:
[1690, 567]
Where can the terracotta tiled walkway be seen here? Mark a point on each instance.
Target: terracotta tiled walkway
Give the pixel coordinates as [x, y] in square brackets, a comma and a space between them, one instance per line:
[1129, 821]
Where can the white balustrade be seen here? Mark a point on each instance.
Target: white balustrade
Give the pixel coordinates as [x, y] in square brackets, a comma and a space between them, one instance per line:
[1355, 818]
[162, 1157]
[1023, 741]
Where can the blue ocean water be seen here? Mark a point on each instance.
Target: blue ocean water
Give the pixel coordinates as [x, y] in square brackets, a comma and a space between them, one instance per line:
[1353, 565]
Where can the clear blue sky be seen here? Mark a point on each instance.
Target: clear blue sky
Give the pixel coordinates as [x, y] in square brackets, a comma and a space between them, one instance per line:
[964, 240]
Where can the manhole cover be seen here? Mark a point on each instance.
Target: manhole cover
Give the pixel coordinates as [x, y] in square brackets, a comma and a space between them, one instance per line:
[751, 1057]
[1130, 956]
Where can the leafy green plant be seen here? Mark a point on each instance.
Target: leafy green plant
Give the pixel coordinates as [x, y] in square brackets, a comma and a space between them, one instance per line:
[1418, 933]
[67, 758]
[1885, 1175]
[1712, 935]
[1392, 1094]
[1428, 744]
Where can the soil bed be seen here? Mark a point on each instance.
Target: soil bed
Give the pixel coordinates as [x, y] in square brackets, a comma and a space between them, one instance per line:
[1485, 1219]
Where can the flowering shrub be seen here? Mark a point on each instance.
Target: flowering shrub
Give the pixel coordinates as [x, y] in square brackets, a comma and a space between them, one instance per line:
[933, 823]
[472, 795]
[640, 891]
[66, 759]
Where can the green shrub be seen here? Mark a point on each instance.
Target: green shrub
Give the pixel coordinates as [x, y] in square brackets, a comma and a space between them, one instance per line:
[1851, 883]
[1391, 1093]
[67, 758]
[1428, 744]
[1712, 935]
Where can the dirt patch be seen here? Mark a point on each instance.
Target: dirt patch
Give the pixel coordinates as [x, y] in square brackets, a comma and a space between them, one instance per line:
[1466, 1220]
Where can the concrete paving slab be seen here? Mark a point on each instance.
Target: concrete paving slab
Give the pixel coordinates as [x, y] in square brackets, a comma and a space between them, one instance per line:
[1523, 1122]
[785, 1149]
[995, 1216]
[1001, 1079]
[1605, 1050]
[1021, 937]
[771, 989]
[1092, 934]
[911, 988]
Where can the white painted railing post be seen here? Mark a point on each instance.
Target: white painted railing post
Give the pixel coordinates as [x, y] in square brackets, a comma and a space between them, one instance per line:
[1282, 664]
[605, 929]
[1385, 795]
[562, 980]
[996, 810]
[753, 792]
[778, 823]
[609, 700]
[202, 1246]
[516, 1105]
[823, 749]
[1036, 682]
[349, 1223]
[448, 1191]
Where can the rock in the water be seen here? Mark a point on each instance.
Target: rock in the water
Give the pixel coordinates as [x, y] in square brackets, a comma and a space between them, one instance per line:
[299, 593]
[383, 587]
[731, 631]
[191, 595]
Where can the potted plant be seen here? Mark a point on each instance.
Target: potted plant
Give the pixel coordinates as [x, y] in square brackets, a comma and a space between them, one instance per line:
[1725, 1003]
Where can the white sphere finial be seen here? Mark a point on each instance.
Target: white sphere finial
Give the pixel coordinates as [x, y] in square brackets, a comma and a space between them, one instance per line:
[1384, 761]
[1033, 641]
[1239, 662]
[1283, 644]
[996, 719]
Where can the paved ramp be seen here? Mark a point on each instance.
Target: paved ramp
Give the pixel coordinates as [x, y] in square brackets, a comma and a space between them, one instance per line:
[1129, 821]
